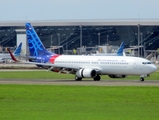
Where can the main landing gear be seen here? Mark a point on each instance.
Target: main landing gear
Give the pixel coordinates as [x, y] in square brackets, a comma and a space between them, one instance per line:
[142, 79]
[78, 78]
[96, 78]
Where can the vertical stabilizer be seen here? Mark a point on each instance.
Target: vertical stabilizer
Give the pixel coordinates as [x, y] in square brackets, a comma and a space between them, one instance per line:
[18, 50]
[36, 47]
[121, 49]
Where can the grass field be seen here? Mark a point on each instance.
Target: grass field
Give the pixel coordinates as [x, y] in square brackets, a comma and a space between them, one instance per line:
[49, 102]
[52, 75]
[57, 102]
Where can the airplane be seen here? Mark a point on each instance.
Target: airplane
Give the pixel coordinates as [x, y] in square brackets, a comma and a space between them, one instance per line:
[2, 60]
[120, 52]
[16, 53]
[86, 66]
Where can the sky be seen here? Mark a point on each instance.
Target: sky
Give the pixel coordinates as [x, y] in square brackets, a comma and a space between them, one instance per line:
[12, 10]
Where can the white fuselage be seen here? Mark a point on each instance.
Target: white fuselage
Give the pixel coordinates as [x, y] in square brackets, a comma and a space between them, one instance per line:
[120, 65]
[5, 56]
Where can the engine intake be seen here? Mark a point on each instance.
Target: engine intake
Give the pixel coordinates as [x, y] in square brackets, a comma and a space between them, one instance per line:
[86, 73]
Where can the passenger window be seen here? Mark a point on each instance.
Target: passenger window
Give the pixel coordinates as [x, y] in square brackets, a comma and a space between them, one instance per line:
[144, 63]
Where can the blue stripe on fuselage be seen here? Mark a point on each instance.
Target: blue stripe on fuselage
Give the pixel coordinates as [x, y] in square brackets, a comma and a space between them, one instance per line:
[43, 59]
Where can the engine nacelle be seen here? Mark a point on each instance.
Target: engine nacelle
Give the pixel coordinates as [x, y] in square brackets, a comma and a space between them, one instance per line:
[117, 76]
[86, 73]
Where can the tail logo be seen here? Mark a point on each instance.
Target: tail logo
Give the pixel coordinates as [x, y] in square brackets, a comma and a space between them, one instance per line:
[34, 41]
[18, 49]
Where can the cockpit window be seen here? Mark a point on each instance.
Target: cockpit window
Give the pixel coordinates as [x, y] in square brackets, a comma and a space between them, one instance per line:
[146, 63]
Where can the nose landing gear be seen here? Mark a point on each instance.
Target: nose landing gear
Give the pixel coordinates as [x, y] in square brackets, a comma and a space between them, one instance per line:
[142, 77]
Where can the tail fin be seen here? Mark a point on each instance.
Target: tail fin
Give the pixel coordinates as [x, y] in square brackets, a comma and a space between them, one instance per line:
[121, 49]
[36, 47]
[18, 50]
[12, 56]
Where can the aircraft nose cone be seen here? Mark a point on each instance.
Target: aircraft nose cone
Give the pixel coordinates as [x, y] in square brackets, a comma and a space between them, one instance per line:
[154, 68]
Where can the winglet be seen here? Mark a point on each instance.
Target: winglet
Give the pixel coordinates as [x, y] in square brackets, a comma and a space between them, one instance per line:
[12, 56]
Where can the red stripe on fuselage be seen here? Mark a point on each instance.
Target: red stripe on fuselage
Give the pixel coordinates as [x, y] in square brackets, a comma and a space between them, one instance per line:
[52, 59]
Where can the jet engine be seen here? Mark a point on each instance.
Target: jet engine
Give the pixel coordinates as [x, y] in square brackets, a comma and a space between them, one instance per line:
[117, 76]
[86, 73]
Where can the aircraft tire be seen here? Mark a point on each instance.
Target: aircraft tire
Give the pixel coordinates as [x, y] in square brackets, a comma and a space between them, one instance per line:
[77, 78]
[141, 79]
[97, 78]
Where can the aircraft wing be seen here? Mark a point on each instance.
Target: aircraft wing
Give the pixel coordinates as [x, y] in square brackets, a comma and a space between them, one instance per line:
[62, 69]
[42, 64]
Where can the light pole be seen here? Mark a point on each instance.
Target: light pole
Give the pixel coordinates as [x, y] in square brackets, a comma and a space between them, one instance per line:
[66, 48]
[58, 42]
[98, 39]
[80, 37]
[138, 39]
[58, 34]
[141, 44]
[51, 40]
[107, 42]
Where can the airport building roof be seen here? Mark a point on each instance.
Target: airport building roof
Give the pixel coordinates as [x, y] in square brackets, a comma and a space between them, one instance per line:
[123, 22]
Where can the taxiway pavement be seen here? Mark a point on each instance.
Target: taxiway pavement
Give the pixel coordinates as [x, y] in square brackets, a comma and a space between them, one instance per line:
[84, 82]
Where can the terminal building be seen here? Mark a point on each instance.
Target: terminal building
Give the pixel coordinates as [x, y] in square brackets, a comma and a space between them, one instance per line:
[78, 34]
